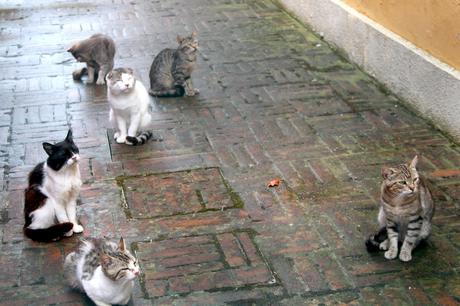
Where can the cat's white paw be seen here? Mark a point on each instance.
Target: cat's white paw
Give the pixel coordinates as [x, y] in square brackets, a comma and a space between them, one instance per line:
[89, 81]
[121, 139]
[100, 82]
[69, 233]
[391, 254]
[116, 135]
[384, 245]
[197, 91]
[405, 256]
[77, 228]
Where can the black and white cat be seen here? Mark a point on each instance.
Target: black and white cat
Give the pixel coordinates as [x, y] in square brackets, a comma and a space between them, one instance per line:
[50, 199]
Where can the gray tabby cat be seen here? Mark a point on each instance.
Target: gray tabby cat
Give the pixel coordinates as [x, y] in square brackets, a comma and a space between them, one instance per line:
[171, 70]
[98, 53]
[103, 270]
[405, 213]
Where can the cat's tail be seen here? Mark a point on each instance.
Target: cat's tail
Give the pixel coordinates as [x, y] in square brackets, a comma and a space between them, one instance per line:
[48, 234]
[373, 242]
[77, 74]
[177, 91]
[139, 140]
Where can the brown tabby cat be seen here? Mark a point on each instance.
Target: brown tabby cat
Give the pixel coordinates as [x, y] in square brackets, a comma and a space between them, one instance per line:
[406, 210]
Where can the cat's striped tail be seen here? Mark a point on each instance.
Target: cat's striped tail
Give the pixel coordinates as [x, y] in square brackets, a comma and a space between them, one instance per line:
[138, 140]
[373, 242]
[177, 91]
[48, 234]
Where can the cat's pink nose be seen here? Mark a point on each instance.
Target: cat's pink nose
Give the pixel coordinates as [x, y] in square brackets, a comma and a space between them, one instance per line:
[136, 273]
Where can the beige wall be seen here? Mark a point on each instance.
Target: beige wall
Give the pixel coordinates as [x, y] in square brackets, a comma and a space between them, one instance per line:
[432, 25]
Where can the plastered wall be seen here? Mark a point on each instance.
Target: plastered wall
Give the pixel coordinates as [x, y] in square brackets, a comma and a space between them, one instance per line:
[432, 25]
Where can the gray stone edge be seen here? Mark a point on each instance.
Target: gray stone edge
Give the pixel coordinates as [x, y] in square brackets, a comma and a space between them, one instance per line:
[428, 85]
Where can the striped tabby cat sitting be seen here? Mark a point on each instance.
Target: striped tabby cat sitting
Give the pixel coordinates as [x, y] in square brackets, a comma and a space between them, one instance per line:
[171, 70]
[406, 210]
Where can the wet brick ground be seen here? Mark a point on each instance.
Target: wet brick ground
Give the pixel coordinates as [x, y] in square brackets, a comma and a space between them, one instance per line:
[275, 101]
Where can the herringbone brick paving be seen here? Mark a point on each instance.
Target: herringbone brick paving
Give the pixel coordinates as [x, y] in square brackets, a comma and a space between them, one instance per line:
[276, 101]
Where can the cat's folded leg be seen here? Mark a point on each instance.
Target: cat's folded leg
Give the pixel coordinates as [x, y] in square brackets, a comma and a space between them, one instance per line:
[392, 252]
[91, 72]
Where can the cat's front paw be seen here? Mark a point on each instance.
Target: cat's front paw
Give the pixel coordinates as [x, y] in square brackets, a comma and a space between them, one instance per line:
[89, 81]
[384, 245]
[121, 139]
[69, 233]
[197, 91]
[391, 253]
[405, 256]
[116, 135]
[77, 228]
[100, 82]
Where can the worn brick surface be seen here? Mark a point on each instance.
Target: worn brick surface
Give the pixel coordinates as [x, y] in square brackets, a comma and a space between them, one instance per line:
[276, 102]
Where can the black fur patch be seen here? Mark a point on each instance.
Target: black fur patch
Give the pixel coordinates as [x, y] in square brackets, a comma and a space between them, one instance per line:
[61, 152]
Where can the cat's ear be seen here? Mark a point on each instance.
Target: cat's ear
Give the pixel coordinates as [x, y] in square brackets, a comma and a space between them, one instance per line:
[72, 48]
[69, 136]
[179, 39]
[386, 172]
[130, 71]
[121, 244]
[414, 162]
[194, 34]
[48, 148]
[109, 76]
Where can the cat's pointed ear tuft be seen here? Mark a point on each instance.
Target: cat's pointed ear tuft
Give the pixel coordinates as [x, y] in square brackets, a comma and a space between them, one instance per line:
[122, 244]
[386, 172]
[48, 148]
[69, 136]
[179, 39]
[414, 162]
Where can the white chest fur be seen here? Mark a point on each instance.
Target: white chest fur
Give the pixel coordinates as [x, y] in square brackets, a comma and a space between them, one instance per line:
[101, 288]
[63, 185]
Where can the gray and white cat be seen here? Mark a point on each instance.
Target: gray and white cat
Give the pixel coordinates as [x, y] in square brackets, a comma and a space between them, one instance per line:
[406, 210]
[129, 106]
[98, 53]
[171, 70]
[103, 270]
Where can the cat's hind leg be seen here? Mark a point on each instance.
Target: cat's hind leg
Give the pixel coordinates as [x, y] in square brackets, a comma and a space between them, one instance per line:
[103, 70]
[91, 73]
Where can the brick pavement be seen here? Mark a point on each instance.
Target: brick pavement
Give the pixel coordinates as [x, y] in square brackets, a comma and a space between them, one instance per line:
[276, 101]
